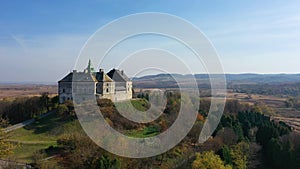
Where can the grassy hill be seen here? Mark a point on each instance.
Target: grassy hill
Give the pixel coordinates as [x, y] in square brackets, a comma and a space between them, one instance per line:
[40, 135]
[44, 132]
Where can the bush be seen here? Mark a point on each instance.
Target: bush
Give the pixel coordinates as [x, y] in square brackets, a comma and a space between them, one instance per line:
[62, 110]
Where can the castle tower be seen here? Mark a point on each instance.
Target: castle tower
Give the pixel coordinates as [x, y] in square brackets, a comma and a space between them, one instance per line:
[90, 68]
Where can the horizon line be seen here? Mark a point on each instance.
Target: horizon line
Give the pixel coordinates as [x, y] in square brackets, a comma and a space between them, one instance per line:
[229, 73]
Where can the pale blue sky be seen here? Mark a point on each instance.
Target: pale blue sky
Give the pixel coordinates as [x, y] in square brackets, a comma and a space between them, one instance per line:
[40, 41]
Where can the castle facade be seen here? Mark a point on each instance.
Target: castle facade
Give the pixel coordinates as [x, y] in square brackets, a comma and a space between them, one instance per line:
[114, 85]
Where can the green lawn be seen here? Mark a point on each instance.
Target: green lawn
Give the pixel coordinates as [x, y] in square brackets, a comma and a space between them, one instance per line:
[146, 132]
[134, 105]
[40, 135]
[140, 104]
[25, 151]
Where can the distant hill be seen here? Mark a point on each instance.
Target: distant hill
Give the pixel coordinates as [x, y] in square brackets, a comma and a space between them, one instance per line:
[168, 81]
[263, 78]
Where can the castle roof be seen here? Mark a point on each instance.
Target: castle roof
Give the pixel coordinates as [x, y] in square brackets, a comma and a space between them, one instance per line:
[118, 76]
[88, 75]
[79, 77]
[67, 78]
[102, 77]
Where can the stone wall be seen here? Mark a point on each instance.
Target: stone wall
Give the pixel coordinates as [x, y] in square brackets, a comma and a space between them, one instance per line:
[82, 90]
[122, 95]
[65, 91]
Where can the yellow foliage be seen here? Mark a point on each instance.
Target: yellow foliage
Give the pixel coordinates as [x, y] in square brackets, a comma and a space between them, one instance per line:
[6, 147]
[238, 154]
[209, 160]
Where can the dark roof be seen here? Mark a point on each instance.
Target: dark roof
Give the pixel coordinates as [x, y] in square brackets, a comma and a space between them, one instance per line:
[118, 76]
[79, 77]
[102, 77]
[67, 78]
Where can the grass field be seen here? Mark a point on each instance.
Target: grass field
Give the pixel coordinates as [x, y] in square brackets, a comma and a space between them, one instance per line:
[133, 105]
[40, 135]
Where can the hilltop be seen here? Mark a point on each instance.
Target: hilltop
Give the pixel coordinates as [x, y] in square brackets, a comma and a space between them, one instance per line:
[248, 78]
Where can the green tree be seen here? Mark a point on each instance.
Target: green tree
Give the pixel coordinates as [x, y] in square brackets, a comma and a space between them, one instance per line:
[45, 100]
[54, 101]
[62, 110]
[226, 155]
[209, 160]
[106, 163]
[238, 154]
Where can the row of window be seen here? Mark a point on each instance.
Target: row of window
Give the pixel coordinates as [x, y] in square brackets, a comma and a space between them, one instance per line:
[84, 90]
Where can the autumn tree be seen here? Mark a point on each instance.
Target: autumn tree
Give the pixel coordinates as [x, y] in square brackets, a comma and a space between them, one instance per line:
[81, 152]
[6, 148]
[238, 155]
[209, 160]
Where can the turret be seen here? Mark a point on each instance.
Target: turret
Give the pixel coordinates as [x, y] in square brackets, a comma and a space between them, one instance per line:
[90, 68]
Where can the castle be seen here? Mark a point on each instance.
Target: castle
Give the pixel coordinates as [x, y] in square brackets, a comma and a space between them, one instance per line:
[114, 85]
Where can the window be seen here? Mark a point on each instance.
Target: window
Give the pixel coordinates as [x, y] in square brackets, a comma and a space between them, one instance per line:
[107, 90]
[63, 90]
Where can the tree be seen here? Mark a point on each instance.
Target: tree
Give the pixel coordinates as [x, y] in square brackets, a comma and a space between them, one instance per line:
[262, 108]
[204, 107]
[4, 122]
[238, 155]
[62, 110]
[106, 163]
[227, 135]
[226, 155]
[81, 152]
[54, 101]
[209, 160]
[265, 133]
[6, 148]
[45, 100]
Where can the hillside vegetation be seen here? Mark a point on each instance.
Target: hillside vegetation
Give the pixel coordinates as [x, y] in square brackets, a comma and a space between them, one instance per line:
[58, 141]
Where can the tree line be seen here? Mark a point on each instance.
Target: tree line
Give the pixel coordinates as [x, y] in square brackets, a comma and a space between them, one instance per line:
[20, 109]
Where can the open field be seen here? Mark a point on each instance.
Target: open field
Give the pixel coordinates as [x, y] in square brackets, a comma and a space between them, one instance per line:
[24, 90]
[278, 104]
[293, 122]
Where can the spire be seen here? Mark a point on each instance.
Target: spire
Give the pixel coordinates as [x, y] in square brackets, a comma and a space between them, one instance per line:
[90, 68]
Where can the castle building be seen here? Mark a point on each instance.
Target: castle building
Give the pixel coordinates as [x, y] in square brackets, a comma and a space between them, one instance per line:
[114, 85]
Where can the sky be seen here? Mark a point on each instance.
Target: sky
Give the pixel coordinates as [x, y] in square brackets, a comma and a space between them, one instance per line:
[40, 41]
